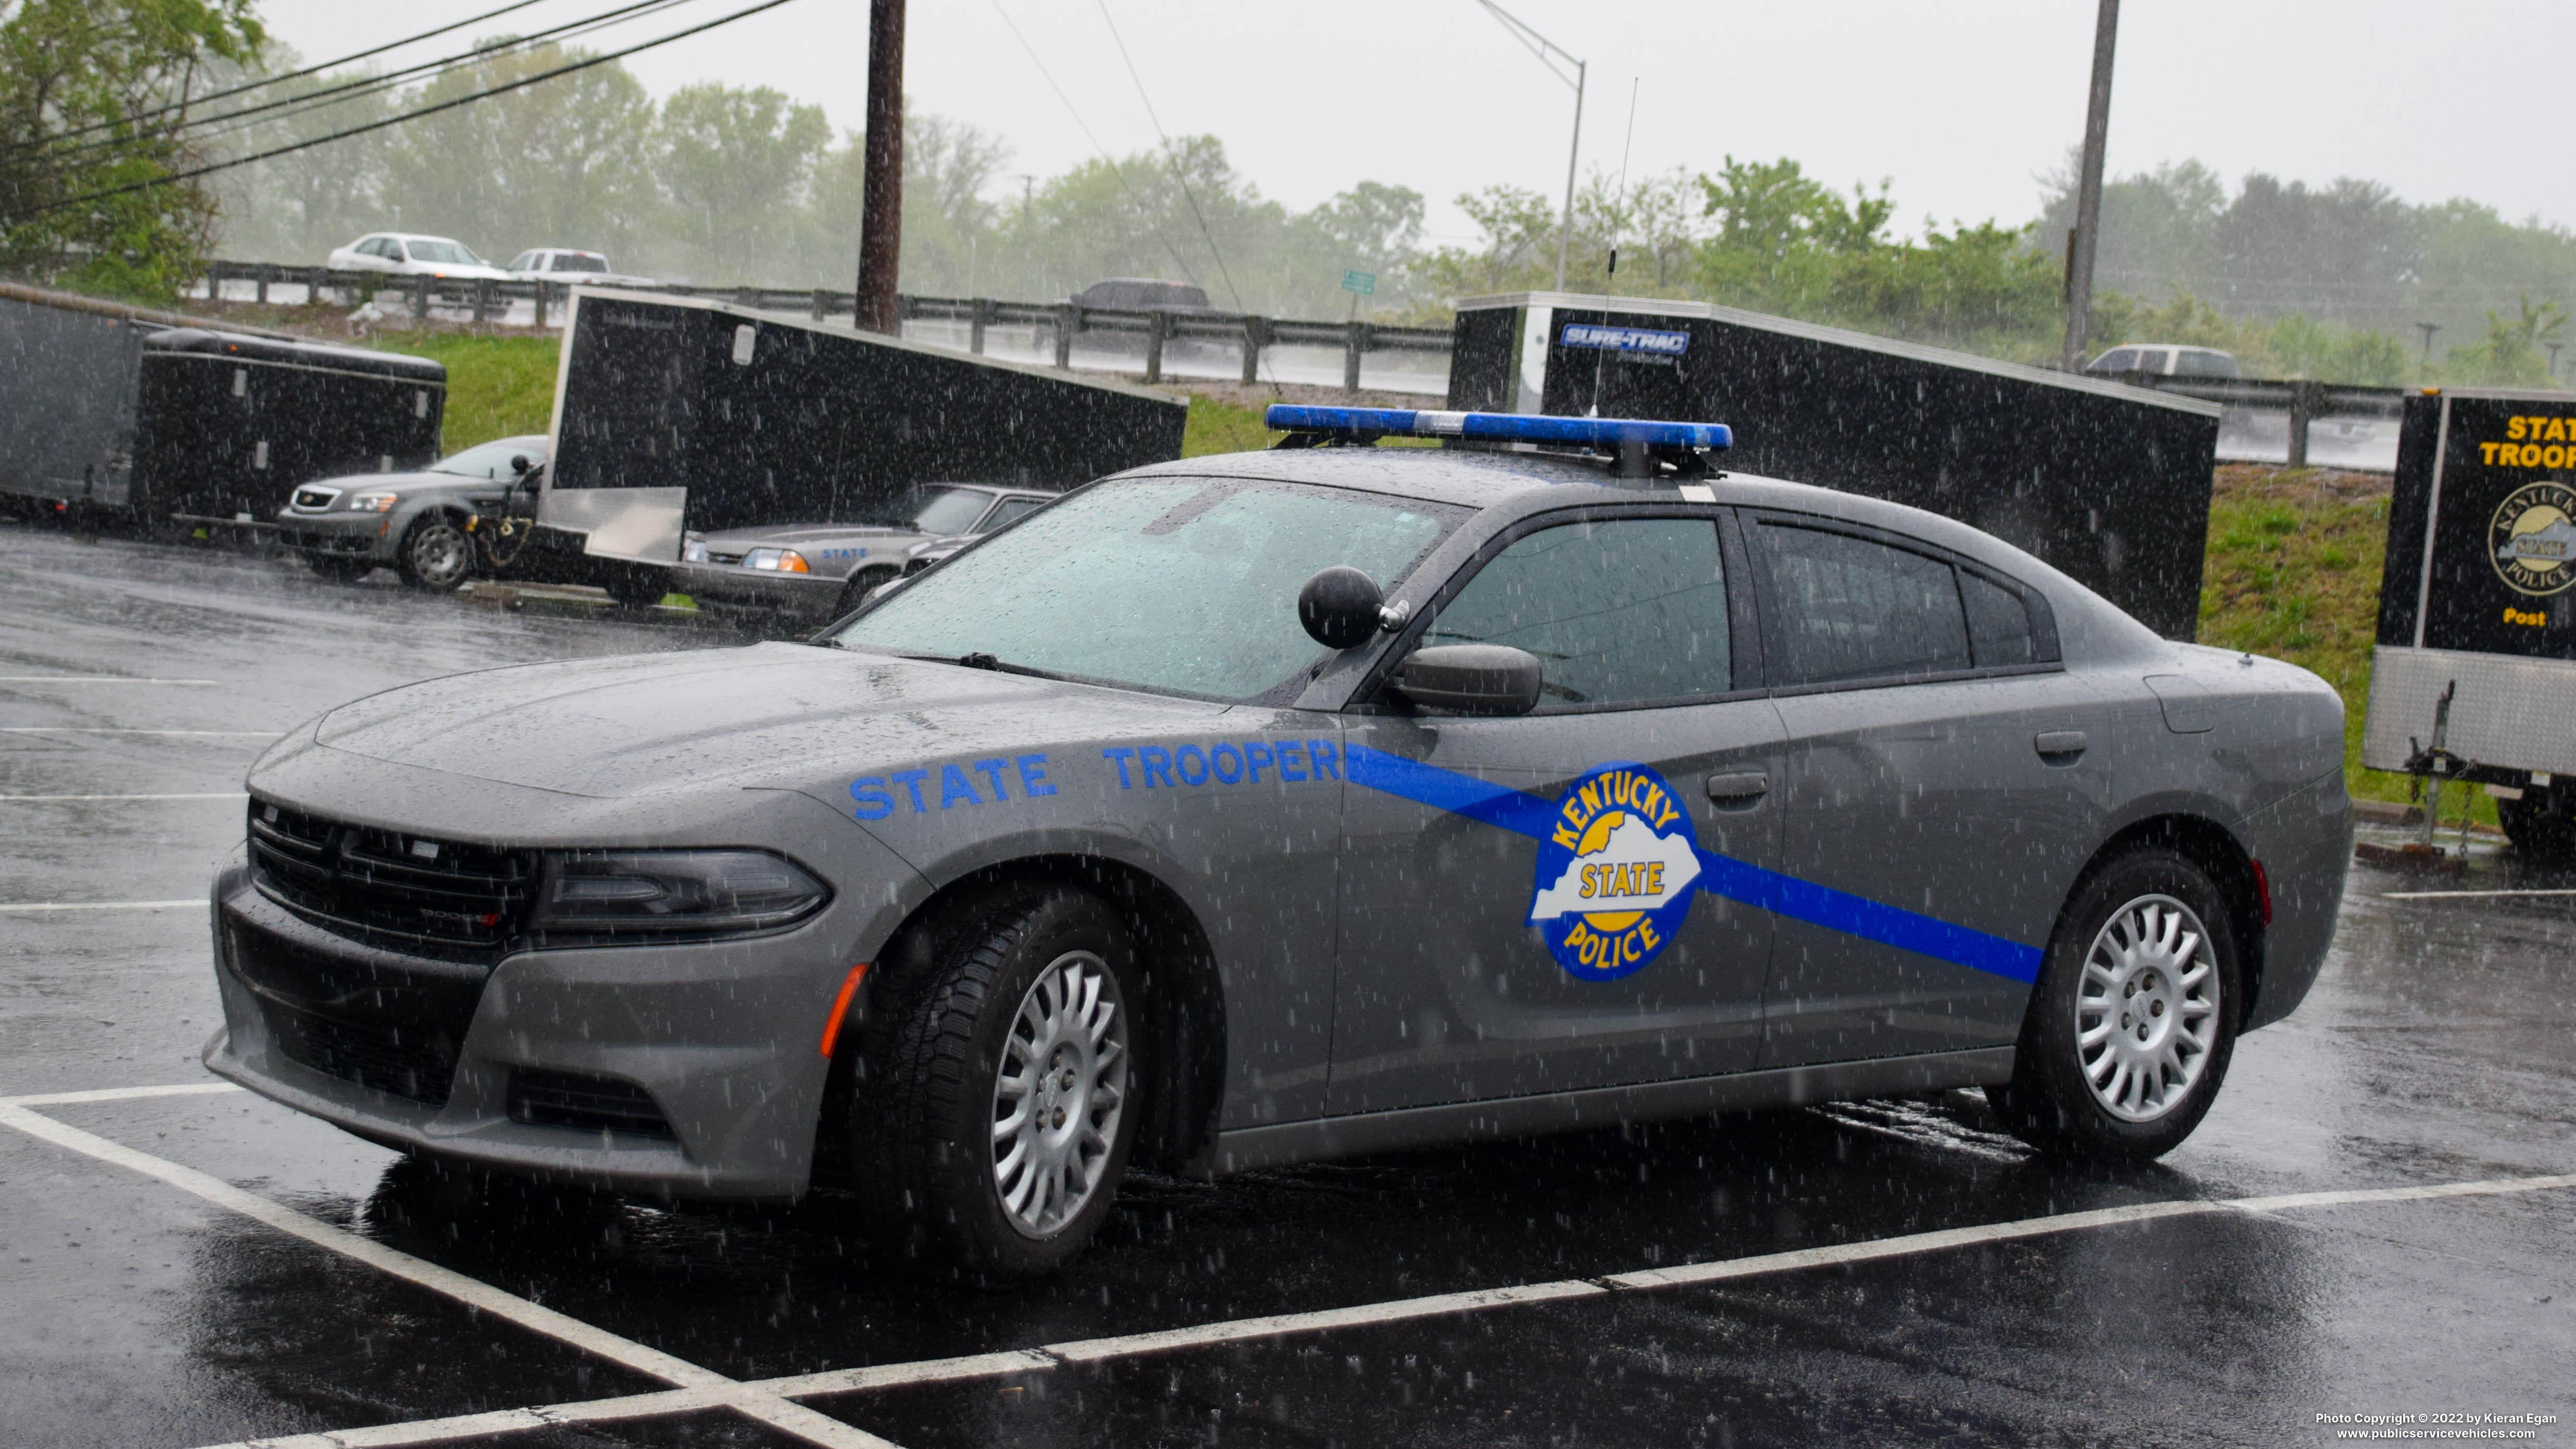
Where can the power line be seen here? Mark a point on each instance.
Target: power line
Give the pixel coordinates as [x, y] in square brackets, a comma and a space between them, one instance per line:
[413, 115]
[291, 106]
[1116, 172]
[1172, 156]
[186, 101]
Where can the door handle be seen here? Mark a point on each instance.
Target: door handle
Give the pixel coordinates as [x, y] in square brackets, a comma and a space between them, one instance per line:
[2060, 744]
[1741, 790]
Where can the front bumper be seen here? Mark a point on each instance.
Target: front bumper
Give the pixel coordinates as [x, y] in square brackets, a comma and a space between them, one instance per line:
[435, 1056]
[732, 584]
[341, 535]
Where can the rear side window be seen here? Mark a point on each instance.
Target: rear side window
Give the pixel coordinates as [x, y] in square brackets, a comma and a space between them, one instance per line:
[1621, 611]
[1847, 608]
[1999, 628]
[1011, 509]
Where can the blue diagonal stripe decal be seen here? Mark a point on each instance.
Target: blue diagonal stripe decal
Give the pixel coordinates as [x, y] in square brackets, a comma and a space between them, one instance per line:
[1723, 875]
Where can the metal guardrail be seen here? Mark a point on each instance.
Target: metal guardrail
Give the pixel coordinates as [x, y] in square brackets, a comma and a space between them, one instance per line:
[2303, 400]
[1059, 323]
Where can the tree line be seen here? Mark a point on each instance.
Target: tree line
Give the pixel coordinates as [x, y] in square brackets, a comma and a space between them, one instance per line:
[729, 184]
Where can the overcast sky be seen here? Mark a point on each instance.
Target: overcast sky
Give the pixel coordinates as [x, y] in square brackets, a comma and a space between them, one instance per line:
[1962, 105]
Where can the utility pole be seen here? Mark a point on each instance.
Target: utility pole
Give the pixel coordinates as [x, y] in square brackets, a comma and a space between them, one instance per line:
[881, 210]
[2085, 240]
[2428, 329]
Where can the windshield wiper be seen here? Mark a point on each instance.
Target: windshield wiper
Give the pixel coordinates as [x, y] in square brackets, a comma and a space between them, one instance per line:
[987, 661]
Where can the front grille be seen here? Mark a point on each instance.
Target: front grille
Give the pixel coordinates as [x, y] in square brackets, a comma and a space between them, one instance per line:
[371, 1054]
[383, 1022]
[591, 1104]
[388, 886]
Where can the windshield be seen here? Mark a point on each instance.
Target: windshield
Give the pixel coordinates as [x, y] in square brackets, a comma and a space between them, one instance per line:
[930, 510]
[442, 251]
[491, 460]
[1184, 585]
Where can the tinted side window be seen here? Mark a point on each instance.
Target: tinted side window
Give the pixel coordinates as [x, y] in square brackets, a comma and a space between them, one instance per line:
[1998, 623]
[1851, 608]
[1011, 509]
[1618, 612]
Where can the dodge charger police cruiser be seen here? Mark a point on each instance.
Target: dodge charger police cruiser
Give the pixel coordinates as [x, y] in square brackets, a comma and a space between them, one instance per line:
[1288, 805]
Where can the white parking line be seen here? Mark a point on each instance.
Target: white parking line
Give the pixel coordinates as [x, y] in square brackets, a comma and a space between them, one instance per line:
[771, 1400]
[118, 1094]
[752, 1402]
[96, 679]
[208, 795]
[83, 730]
[28, 908]
[2465, 895]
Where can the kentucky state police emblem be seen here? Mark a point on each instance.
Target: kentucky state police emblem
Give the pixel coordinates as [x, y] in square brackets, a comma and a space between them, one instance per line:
[1616, 873]
[2534, 538]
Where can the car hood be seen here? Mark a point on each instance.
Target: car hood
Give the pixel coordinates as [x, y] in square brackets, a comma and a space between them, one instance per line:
[770, 715]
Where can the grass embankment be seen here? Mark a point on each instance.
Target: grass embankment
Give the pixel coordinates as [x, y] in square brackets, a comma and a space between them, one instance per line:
[2292, 569]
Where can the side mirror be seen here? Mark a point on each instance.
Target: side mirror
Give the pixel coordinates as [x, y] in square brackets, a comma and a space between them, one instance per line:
[1340, 607]
[519, 463]
[1492, 679]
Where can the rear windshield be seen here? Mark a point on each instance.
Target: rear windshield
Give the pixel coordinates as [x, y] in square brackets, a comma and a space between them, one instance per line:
[1178, 585]
[578, 262]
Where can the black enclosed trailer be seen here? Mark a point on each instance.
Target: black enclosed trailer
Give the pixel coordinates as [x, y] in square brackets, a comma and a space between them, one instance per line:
[2107, 482]
[120, 410]
[2474, 674]
[675, 415]
[229, 424]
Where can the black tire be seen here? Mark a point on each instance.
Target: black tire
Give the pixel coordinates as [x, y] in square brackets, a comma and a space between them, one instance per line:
[339, 567]
[928, 1167]
[2542, 824]
[856, 590]
[2183, 1039]
[435, 554]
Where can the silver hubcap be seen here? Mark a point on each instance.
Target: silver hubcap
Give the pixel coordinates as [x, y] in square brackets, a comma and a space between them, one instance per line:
[2146, 1015]
[438, 555]
[1062, 1087]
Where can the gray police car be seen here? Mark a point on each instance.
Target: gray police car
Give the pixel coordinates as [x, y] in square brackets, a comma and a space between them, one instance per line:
[1280, 806]
[418, 524]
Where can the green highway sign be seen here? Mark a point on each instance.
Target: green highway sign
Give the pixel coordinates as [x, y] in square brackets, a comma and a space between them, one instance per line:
[1364, 283]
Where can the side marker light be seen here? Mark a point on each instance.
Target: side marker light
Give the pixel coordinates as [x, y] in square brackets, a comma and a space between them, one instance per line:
[2263, 891]
[841, 1007]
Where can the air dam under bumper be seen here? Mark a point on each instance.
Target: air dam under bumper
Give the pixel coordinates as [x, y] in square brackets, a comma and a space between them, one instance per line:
[348, 535]
[418, 1054]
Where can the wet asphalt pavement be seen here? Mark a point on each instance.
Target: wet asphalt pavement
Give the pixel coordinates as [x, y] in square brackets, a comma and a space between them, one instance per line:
[138, 1308]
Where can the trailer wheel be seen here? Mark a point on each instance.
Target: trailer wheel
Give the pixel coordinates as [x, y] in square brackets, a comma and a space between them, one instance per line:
[2542, 824]
[436, 554]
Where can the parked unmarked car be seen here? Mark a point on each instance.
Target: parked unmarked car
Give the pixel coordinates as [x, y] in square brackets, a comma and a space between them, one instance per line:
[822, 570]
[404, 254]
[571, 267]
[417, 524]
[1249, 810]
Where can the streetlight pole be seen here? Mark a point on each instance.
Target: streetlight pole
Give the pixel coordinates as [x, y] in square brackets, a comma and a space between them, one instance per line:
[2085, 241]
[1540, 46]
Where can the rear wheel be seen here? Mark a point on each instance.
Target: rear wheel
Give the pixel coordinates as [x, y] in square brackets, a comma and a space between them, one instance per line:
[436, 554]
[2542, 824]
[2133, 1021]
[1000, 1114]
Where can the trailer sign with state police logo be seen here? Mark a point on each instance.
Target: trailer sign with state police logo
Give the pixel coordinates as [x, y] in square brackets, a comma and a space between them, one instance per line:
[1615, 873]
[2535, 538]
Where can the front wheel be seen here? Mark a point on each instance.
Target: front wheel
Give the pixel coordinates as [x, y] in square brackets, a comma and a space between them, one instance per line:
[855, 592]
[1001, 1113]
[2133, 1021]
[436, 554]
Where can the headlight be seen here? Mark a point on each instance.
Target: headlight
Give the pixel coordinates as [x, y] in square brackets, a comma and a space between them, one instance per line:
[374, 502]
[776, 560]
[693, 550]
[664, 893]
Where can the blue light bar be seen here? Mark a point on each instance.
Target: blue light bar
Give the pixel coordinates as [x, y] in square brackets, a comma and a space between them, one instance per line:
[1497, 427]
